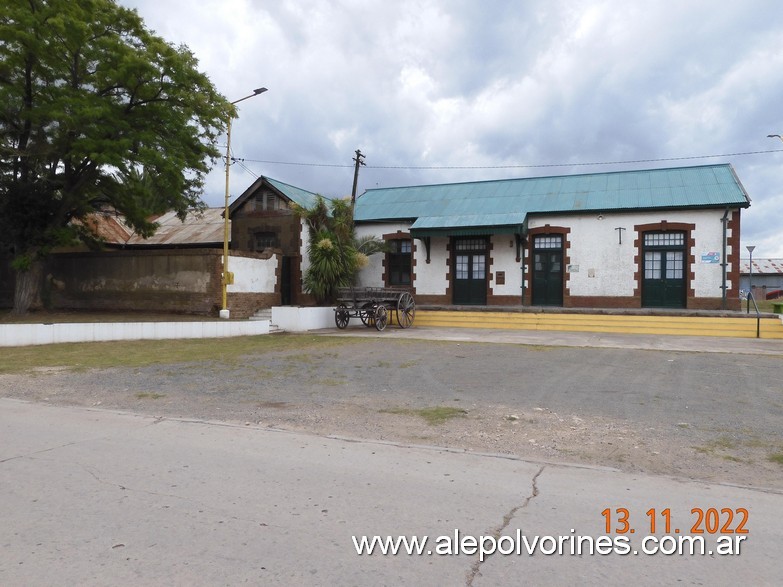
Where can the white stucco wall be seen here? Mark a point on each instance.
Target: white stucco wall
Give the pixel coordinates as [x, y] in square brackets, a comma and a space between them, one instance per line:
[253, 275]
[432, 278]
[305, 235]
[504, 258]
[372, 275]
[708, 237]
[601, 266]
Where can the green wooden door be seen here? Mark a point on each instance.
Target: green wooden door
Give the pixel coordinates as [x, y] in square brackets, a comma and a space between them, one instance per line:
[547, 271]
[663, 282]
[469, 271]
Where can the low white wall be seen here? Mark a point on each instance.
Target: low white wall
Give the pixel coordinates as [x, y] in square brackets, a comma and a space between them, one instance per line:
[37, 334]
[294, 319]
[253, 275]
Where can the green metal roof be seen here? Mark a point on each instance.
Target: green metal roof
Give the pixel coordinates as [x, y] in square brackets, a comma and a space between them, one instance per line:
[302, 197]
[507, 202]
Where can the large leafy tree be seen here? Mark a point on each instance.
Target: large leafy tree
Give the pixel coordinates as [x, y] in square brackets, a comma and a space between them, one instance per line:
[96, 113]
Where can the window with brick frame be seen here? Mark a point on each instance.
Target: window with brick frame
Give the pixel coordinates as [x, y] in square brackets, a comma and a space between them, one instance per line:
[264, 240]
[399, 261]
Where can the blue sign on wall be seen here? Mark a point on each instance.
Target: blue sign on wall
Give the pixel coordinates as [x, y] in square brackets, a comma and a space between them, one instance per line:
[711, 257]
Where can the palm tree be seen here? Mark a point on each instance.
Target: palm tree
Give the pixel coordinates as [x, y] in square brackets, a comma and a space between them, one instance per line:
[336, 255]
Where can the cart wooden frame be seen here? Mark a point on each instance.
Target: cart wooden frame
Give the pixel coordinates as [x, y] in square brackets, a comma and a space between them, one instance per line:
[372, 305]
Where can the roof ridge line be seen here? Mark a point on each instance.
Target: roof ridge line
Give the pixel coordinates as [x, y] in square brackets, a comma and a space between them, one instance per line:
[485, 181]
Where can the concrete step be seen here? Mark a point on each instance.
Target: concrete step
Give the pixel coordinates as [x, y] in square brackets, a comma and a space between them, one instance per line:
[737, 327]
[266, 314]
[262, 314]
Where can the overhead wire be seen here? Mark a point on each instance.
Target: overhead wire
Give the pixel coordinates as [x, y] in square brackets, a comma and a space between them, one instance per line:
[514, 166]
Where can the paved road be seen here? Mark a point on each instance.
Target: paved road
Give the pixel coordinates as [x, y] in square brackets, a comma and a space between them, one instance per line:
[94, 497]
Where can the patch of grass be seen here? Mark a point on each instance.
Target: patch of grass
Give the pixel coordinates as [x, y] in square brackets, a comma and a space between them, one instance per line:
[732, 459]
[724, 442]
[757, 443]
[719, 444]
[433, 416]
[776, 458]
[763, 304]
[149, 395]
[273, 404]
[330, 382]
[141, 353]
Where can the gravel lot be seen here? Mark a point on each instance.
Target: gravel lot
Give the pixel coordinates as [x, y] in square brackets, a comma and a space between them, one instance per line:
[709, 416]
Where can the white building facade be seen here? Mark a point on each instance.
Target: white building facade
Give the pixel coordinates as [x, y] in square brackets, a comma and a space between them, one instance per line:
[652, 238]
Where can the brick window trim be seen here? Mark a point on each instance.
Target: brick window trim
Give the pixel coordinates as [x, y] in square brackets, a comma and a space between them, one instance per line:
[399, 235]
[665, 226]
[563, 231]
[733, 274]
[450, 273]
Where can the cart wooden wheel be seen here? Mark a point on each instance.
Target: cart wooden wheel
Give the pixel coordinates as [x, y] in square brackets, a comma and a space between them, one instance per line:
[381, 317]
[367, 315]
[406, 310]
[341, 317]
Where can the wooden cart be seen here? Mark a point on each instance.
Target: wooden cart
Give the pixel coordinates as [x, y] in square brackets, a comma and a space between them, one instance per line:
[372, 305]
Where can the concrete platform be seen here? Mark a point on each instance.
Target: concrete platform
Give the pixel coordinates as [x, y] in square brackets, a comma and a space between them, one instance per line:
[701, 344]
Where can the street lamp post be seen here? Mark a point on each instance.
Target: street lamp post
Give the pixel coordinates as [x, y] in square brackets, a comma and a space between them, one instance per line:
[227, 278]
[750, 276]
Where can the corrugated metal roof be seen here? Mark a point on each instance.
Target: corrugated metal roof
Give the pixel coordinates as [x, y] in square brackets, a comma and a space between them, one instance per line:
[302, 197]
[507, 201]
[762, 266]
[199, 228]
[108, 226]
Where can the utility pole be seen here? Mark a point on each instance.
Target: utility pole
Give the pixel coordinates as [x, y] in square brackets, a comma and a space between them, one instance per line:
[358, 160]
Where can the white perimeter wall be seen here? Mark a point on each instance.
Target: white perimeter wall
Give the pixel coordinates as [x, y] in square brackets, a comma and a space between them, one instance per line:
[253, 275]
[37, 334]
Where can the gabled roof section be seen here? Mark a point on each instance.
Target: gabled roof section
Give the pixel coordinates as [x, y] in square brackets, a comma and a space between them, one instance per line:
[202, 228]
[294, 194]
[508, 202]
[762, 266]
[109, 226]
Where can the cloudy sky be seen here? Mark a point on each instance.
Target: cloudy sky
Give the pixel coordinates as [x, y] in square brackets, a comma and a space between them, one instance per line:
[435, 91]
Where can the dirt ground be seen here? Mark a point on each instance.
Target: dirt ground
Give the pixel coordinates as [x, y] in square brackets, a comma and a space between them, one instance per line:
[670, 413]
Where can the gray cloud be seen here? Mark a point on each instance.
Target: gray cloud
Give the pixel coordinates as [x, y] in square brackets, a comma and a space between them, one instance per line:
[468, 83]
